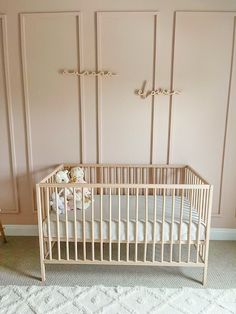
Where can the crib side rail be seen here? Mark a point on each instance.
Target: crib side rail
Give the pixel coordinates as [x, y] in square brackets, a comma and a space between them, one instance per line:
[50, 177]
[152, 223]
[128, 173]
[200, 197]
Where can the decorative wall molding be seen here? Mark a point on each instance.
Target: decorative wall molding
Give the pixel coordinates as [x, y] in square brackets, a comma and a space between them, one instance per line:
[3, 22]
[99, 16]
[229, 13]
[171, 88]
[23, 16]
[227, 114]
[98, 88]
[223, 234]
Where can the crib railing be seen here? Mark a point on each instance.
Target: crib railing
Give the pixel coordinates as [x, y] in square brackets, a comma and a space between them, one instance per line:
[137, 218]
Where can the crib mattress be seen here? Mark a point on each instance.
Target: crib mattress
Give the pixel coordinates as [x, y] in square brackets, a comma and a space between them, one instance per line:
[119, 230]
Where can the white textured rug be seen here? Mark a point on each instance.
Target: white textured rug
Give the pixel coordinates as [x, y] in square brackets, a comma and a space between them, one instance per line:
[100, 299]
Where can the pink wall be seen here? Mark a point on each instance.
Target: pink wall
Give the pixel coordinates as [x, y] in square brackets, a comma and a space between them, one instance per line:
[47, 118]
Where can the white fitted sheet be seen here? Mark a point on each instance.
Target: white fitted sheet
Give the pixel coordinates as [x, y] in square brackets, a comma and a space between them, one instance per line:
[132, 219]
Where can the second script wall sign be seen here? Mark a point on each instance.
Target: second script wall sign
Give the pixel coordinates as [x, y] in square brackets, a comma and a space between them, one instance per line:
[165, 92]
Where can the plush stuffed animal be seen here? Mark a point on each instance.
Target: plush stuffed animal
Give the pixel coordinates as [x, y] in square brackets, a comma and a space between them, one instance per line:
[62, 176]
[77, 175]
[79, 203]
[57, 200]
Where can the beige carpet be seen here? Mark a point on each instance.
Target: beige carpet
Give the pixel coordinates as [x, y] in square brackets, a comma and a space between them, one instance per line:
[19, 265]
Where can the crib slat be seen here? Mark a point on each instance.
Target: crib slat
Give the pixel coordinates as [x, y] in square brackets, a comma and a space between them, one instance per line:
[118, 224]
[101, 225]
[206, 208]
[66, 217]
[194, 192]
[146, 225]
[131, 173]
[198, 181]
[136, 228]
[75, 224]
[110, 226]
[58, 228]
[127, 229]
[44, 216]
[199, 225]
[202, 213]
[105, 177]
[84, 229]
[181, 225]
[92, 216]
[172, 224]
[208, 205]
[173, 175]
[163, 223]
[49, 225]
[154, 226]
[190, 224]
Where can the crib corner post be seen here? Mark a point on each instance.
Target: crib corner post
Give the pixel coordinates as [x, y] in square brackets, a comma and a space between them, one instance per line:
[40, 230]
[209, 210]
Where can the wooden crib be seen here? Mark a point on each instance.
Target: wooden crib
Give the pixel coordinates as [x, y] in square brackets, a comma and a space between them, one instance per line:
[154, 215]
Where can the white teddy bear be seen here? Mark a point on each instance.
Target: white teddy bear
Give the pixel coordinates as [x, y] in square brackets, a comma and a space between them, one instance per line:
[79, 203]
[62, 176]
[57, 200]
[77, 176]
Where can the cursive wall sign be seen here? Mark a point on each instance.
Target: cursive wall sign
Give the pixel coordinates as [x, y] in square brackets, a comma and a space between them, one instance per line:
[104, 74]
[165, 92]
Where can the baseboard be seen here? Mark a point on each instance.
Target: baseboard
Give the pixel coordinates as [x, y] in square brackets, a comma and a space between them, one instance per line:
[32, 230]
[21, 230]
[223, 234]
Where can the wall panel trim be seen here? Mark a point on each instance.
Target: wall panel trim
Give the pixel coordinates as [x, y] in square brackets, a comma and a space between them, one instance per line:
[99, 80]
[3, 19]
[171, 88]
[229, 13]
[227, 115]
[154, 99]
[30, 164]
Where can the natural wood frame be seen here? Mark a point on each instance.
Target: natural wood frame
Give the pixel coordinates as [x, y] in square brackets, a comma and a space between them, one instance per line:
[184, 182]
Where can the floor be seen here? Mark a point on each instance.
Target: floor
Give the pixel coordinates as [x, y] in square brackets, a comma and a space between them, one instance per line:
[19, 265]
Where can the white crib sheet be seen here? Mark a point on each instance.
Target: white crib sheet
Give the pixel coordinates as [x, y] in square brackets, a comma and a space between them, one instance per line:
[123, 222]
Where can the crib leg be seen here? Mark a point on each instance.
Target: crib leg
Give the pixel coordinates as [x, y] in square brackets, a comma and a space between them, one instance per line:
[204, 282]
[43, 274]
[42, 264]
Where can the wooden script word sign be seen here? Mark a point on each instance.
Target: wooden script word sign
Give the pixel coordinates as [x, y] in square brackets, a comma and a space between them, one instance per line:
[89, 73]
[166, 92]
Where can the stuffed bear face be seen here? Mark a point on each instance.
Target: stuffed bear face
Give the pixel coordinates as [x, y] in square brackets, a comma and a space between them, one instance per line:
[62, 176]
[77, 173]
